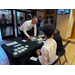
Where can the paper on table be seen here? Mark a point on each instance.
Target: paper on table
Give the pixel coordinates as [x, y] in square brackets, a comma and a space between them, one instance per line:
[24, 40]
[12, 43]
[26, 45]
[34, 58]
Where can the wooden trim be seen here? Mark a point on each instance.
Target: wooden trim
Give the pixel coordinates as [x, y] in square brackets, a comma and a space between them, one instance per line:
[55, 17]
[65, 39]
[72, 42]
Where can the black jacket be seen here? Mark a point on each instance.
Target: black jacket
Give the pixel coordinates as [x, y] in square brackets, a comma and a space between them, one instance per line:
[58, 39]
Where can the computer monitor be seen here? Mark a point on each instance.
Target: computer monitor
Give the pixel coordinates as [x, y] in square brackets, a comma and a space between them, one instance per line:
[63, 11]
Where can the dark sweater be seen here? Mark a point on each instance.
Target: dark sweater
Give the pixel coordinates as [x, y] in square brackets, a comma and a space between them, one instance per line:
[58, 39]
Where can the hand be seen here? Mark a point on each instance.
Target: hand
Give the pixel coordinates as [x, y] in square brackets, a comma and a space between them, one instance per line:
[30, 37]
[38, 51]
[34, 35]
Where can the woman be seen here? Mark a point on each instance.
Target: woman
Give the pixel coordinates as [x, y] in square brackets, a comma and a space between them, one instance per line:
[58, 39]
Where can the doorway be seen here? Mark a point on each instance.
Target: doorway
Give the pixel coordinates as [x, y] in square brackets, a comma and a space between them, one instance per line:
[27, 15]
[6, 23]
[19, 15]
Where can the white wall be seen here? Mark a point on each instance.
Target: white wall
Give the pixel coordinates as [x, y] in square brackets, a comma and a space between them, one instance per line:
[64, 24]
[39, 13]
[71, 18]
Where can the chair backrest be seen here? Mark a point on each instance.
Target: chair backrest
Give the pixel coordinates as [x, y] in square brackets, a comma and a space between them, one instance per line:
[62, 52]
[66, 44]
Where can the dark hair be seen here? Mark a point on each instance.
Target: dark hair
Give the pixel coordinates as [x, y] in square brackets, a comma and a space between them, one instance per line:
[57, 31]
[21, 17]
[3, 15]
[48, 30]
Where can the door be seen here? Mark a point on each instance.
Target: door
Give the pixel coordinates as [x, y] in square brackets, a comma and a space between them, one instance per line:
[6, 23]
[19, 14]
[25, 15]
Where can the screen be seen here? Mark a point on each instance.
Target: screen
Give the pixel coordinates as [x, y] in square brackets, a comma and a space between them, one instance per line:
[63, 11]
[5, 16]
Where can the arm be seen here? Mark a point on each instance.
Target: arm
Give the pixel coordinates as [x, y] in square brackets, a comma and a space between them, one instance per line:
[25, 28]
[38, 51]
[43, 58]
[26, 33]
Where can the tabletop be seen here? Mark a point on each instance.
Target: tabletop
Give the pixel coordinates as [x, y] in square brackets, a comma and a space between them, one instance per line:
[22, 47]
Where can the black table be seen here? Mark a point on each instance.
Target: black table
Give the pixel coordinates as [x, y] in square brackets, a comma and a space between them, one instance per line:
[21, 58]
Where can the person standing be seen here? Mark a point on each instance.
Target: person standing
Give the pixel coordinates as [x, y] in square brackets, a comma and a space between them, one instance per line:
[21, 22]
[42, 22]
[3, 22]
[41, 25]
[38, 25]
[49, 20]
[3, 19]
[27, 26]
